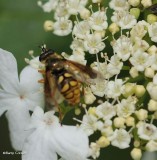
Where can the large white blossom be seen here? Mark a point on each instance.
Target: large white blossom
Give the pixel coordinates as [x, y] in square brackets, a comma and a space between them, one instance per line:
[18, 95]
[50, 138]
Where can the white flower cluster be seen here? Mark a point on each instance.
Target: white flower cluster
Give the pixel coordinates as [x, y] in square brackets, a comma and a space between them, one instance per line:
[123, 114]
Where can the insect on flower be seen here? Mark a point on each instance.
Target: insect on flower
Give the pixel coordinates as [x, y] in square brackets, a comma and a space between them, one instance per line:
[64, 78]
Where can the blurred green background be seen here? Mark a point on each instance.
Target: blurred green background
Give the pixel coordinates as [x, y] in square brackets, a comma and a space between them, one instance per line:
[21, 30]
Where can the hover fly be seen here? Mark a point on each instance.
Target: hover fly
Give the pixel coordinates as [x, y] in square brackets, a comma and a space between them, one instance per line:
[64, 77]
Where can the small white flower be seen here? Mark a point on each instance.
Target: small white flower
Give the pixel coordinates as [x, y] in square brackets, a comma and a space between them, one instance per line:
[124, 19]
[89, 98]
[114, 88]
[134, 3]
[81, 29]
[98, 21]
[127, 22]
[140, 44]
[140, 60]
[151, 146]
[147, 131]
[18, 95]
[154, 63]
[152, 90]
[102, 68]
[126, 107]
[61, 10]
[94, 150]
[99, 88]
[139, 30]
[77, 44]
[119, 5]
[120, 138]
[133, 72]
[50, 138]
[146, 3]
[115, 65]
[152, 30]
[123, 47]
[78, 56]
[90, 124]
[48, 6]
[155, 79]
[93, 43]
[96, 1]
[152, 50]
[74, 7]
[62, 27]
[107, 131]
[105, 110]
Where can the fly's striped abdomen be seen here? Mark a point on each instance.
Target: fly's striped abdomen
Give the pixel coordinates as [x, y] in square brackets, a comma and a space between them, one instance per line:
[69, 87]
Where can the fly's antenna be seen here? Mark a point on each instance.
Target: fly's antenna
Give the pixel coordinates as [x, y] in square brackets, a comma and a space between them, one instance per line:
[43, 48]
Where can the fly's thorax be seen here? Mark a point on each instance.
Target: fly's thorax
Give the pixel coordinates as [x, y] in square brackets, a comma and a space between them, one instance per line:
[55, 65]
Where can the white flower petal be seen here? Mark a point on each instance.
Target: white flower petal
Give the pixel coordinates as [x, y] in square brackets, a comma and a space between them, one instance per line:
[30, 88]
[18, 118]
[29, 79]
[8, 101]
[38, 147]
[8, 72]
[70, 143]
